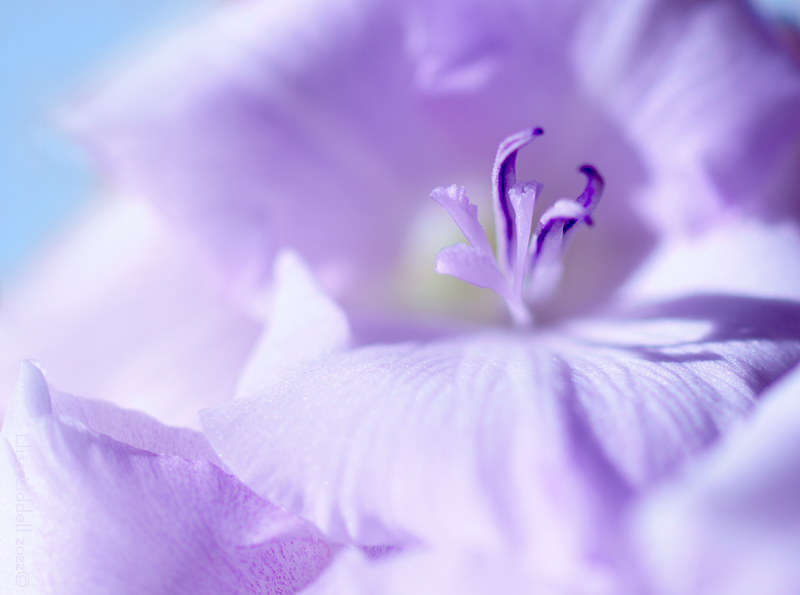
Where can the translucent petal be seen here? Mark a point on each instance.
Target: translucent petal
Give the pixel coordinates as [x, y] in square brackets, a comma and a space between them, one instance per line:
[731, 524]
[101, 516]
[505, 441]
[472, 266]
[307, 324]
[455, 202]
[119, 308]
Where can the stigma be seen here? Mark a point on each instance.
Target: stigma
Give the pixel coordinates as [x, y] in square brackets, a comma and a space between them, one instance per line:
[526, 265]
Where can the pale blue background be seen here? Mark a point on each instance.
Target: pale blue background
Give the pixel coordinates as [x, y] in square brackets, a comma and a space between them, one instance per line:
[786, 9]
[49, 48]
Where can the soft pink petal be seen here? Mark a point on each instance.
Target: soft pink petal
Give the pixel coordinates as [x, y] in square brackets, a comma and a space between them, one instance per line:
[106, 517]
[731, 525]
[120, 309]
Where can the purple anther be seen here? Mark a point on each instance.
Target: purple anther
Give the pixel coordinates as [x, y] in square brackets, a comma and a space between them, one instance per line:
[590, 195]
[594, 187]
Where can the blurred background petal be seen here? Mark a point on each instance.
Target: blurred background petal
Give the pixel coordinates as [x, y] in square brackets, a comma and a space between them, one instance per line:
[731, 523]
[324, 125]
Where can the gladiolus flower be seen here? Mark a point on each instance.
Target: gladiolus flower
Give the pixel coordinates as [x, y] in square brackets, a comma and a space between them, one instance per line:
[285, 157]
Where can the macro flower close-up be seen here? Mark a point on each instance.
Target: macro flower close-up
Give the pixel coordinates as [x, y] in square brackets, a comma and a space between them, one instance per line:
[419, 297]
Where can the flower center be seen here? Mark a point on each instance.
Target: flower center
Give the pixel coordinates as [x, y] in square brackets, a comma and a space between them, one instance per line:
[526, 268]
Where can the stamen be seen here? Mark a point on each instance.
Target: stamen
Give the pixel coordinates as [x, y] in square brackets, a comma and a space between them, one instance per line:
[523, 199]
[455, 202]
[474, 264]
[555, 228]
[504, 176]
[526, 268]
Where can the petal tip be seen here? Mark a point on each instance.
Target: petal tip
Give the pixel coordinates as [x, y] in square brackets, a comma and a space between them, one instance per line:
[32, 392]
